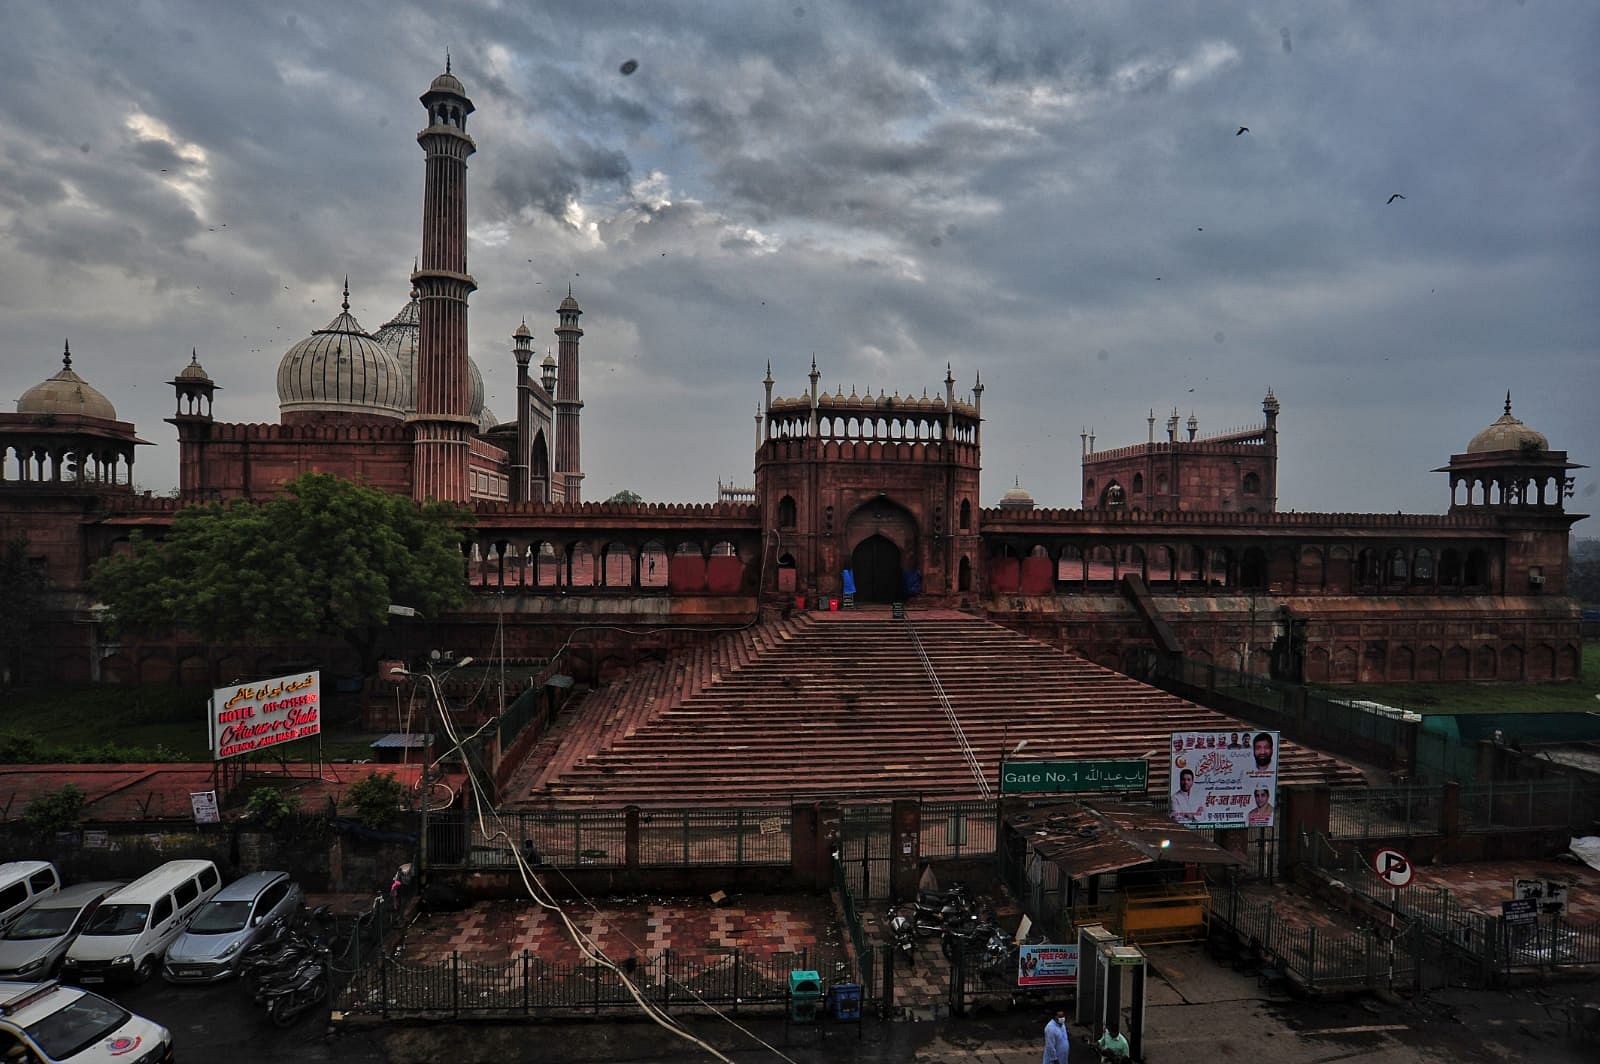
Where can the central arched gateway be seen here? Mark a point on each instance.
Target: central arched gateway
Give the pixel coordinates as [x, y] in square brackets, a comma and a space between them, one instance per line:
[876, 564]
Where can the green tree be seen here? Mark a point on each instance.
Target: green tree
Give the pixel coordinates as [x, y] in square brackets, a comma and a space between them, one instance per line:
[55, 810]
[23, 586]
[378, 799]
[325, 559]
[626, 496]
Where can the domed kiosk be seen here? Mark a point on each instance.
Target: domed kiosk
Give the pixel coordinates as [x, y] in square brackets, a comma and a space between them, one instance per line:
[65, 432]
[1509, 465]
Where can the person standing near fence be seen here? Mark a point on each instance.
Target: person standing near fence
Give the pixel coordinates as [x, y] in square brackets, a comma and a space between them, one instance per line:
[1057, 1042]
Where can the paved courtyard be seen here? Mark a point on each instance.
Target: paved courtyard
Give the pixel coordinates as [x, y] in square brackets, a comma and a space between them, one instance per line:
[696, 931]
[1485, 884]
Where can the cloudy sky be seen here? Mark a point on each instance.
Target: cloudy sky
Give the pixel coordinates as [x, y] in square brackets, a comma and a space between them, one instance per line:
[1050, 194]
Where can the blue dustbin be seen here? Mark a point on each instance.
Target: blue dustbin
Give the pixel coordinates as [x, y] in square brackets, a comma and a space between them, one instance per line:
[844, 1001]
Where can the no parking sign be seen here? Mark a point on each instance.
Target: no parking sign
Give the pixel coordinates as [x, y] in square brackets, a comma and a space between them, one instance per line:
[1393, 867]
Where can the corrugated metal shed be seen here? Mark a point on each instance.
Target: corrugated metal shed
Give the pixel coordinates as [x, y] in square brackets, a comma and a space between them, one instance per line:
[1087, 841]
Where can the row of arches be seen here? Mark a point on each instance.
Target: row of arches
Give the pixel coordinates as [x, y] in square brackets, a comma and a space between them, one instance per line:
[1381, 663]
[856, 429]
[1308, 568]
[26, 464]
[660, 565]
[1518, 490]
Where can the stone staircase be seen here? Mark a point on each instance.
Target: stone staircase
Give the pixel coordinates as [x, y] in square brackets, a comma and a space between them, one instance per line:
[840, 705]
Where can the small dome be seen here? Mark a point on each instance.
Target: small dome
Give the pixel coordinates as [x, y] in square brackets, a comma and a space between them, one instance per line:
[66, 393]
[523, 332]
[447, 82]
[343, 369]
[194, 371]
[1017, 498]
[549, 360]
[569, 303]
[474, 390]
[1507, 434]
[486, 420]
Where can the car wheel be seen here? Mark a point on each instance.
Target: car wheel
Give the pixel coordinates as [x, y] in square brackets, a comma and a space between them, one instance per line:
[146, 969]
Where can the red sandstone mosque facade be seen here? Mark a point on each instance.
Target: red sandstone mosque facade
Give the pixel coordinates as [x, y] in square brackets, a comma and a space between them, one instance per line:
[1178, 549]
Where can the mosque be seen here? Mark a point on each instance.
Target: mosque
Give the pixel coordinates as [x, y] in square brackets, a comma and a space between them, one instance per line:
[1178, 548]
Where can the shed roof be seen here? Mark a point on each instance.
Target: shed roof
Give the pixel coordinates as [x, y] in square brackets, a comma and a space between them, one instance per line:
[1085, 840]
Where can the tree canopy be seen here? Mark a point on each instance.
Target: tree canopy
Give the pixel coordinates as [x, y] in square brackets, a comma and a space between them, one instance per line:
[625, 495]
[325, 559]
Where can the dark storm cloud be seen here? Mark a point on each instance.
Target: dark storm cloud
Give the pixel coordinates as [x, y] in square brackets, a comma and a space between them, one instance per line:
[892, 185]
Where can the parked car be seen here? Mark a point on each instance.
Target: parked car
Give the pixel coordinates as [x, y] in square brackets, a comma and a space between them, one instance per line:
[241, 913]
[22, 883]
[127, 935]
[55, 1024]
[35, 943]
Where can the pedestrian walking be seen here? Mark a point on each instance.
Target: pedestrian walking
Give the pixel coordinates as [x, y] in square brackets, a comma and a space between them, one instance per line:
[1057, 1042]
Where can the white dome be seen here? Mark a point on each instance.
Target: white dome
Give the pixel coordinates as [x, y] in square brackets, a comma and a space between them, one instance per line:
[342, 369]
[66, 393]
[401, 337]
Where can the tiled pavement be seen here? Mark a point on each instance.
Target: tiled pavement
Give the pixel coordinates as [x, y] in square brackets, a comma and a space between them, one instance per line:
[697, 931]
[1296, 906]
[1483, 885]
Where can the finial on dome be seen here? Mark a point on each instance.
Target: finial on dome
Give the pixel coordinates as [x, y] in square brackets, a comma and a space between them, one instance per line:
[194, 356]
[346, 303]
[447, 61]
[569, 289]
[1508, 400]
[66, 354]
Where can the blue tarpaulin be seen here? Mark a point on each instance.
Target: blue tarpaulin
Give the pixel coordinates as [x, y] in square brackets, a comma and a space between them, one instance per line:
[849, 582]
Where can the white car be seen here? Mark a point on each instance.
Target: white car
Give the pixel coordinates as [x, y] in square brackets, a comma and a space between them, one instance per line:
[54, 1024]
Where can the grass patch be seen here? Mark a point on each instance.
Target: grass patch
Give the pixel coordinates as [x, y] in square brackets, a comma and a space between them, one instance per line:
[107, 723]
[1485, 697]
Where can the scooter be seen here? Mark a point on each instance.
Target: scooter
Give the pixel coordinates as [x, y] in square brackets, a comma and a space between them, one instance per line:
[902, 933]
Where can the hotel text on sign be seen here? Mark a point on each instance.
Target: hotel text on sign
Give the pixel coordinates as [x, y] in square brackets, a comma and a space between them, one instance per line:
[254, 716]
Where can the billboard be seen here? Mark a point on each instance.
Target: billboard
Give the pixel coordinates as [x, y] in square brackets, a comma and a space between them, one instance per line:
[1047, 965]
[1225, 779]
[252, 717]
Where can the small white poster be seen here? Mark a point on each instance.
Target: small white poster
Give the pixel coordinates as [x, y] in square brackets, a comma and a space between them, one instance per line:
[205, 807]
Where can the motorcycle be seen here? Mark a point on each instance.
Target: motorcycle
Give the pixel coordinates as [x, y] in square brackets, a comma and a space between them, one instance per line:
[902, 934]
[290, 997]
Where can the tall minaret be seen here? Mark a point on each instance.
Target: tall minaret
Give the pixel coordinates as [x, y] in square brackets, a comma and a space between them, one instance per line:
[522, 350]
[443, 425]
[569, 465]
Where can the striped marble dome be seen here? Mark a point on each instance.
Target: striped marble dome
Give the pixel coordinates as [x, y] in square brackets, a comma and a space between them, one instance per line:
[341, 369]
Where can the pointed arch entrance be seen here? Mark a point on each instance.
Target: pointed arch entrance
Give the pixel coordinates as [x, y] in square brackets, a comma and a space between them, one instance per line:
[876, 564]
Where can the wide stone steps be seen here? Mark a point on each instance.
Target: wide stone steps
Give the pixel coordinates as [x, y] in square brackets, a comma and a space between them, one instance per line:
[841, 705]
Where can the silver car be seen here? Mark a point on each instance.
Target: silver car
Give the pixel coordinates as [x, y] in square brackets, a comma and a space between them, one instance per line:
[241, 913]
[32, 947]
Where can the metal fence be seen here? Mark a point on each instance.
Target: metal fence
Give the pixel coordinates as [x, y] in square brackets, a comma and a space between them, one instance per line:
[1384, 812]
[699, 838]
[526, 985]
[1442, 757]
[1528, 805]
[1481, 944]
[1317, 959]
[866, 950]
[956, 830]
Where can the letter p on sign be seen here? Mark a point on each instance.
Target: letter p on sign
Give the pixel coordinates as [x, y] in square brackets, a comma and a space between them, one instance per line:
[1393, 867]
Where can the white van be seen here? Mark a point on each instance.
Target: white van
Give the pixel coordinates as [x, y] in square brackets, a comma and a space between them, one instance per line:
[127, 935]
[21, 884]
[55, 1024]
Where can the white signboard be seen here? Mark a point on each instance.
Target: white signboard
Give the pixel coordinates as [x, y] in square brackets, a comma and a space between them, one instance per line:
[1225, 779]
[254, 716]
[205, 807]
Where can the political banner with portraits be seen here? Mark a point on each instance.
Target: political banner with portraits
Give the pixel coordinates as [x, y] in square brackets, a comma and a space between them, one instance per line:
[1225, 779]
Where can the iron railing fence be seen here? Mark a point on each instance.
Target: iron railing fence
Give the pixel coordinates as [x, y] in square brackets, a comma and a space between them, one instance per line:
[1529, 805]
[957, 830]
[1384, 813]
[527, 985]
[1491, 943]
[702, 838]
[866, 950]
[1316, 958]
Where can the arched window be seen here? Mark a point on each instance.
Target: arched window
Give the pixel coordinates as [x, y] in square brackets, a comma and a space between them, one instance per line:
[1422, 567]
[966, 515]
[786, 512]
[1253, 569]
[1252, 484]
[1088, 488]
[1397, 570]
[1161, 483]
[1113, 497]
[1138, 483]
[964, 574]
